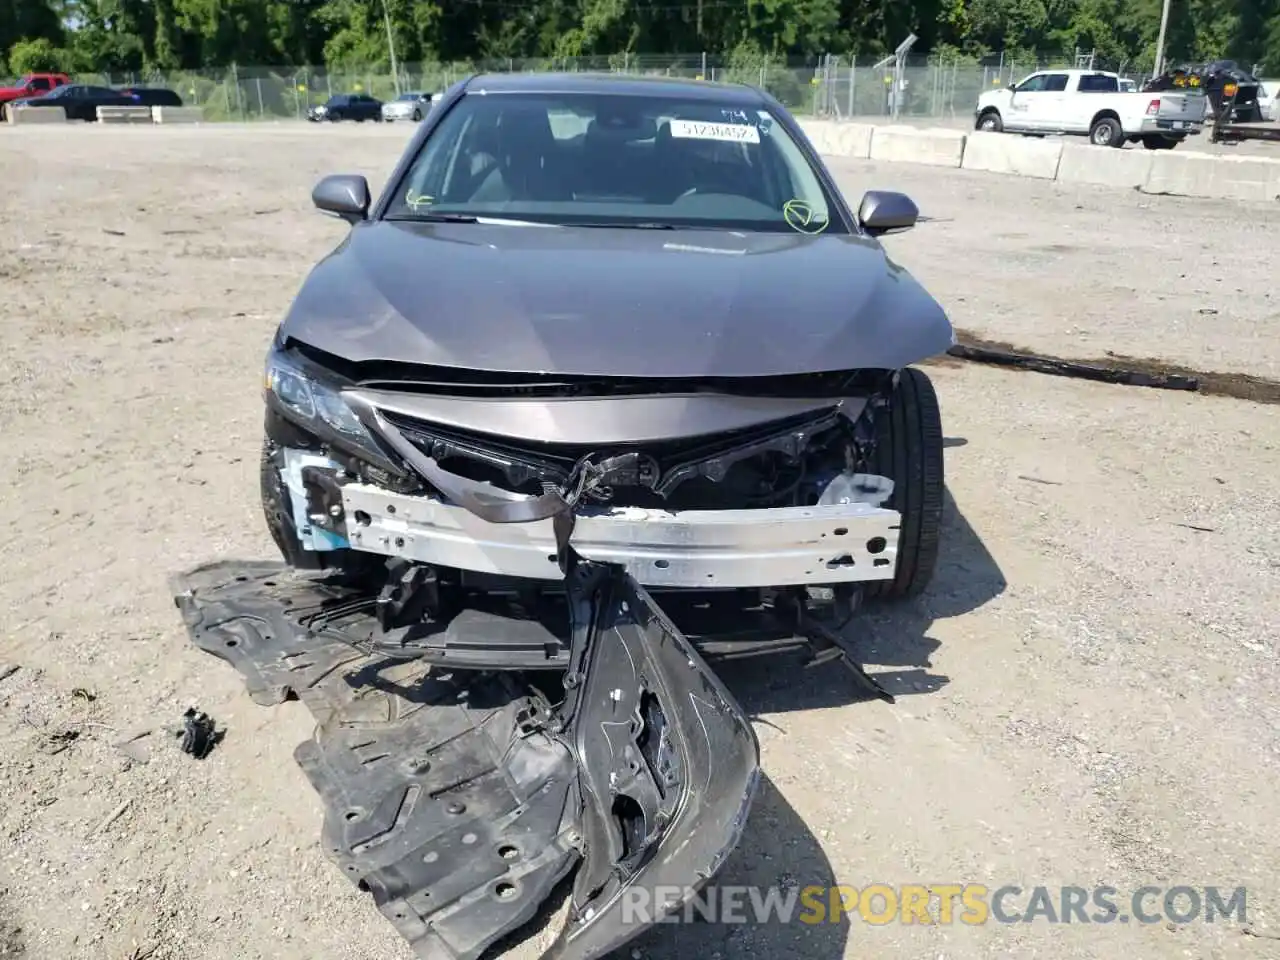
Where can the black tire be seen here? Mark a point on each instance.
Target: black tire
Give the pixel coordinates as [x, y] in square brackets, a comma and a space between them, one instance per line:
[1160, 142]
[909, 452]
[275, 507]
[417, 116]
[990, 122]
[1106, 132]
[277, 510]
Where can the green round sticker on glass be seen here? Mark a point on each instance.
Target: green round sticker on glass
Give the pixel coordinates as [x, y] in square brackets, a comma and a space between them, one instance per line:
[800, 216]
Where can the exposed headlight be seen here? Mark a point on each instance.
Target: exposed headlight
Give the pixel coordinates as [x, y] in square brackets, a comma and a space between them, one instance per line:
[316, 407]
[322, 109]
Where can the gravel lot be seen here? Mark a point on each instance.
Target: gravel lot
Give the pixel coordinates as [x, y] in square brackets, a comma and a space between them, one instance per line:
[1090, 693]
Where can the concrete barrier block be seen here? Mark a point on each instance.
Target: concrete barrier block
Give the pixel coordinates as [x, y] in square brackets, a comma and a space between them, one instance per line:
[177, 114]
[838, 139]
[1008, 153]
[124, 114]
[30, 115]
[1190, 174]
[853, 140]
[1104, 166]
[821, 134]
[901, 144]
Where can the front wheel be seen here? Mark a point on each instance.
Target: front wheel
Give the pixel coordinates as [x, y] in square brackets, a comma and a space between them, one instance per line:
[909, 452]
[990, 122]
[1160, 142]
[417, 116]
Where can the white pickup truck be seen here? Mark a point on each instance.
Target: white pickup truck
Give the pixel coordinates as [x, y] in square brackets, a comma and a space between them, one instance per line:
[1091, 103]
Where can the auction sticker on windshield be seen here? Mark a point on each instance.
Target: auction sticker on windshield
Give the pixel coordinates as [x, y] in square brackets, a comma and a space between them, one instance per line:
[730, 132]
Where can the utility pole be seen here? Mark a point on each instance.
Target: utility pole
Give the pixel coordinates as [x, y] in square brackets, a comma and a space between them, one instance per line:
[1164, 25]
[391, 45]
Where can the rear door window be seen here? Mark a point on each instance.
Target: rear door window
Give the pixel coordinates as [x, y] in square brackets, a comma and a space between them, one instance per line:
[1055, 83]
[1098, 83]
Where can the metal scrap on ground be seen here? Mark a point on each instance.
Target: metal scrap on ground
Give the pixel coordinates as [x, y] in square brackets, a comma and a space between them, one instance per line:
[1120, 369]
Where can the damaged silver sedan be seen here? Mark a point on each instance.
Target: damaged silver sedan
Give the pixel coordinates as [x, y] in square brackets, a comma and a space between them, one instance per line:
[607, 384]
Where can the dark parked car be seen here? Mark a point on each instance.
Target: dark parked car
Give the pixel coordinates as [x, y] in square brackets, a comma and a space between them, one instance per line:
[152, 96]
[609, 370]
[80, 101]
[347, 106]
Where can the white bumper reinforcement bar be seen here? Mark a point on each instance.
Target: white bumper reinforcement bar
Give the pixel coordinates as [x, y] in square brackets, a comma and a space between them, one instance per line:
[838, 543]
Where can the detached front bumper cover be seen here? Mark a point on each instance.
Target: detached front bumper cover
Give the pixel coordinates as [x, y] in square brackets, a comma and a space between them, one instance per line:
[461, 800]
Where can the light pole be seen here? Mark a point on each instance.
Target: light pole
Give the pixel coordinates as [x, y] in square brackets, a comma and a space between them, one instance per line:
[391, 45]
[1164, 24]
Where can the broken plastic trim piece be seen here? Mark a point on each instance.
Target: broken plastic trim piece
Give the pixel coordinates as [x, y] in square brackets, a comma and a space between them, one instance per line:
[669, 764]
[461, 800]
[485, 500]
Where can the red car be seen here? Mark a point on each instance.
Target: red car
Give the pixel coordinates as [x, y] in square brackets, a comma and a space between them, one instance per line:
[32, 85]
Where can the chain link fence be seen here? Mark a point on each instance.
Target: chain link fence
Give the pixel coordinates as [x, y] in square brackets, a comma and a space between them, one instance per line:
[926, 87]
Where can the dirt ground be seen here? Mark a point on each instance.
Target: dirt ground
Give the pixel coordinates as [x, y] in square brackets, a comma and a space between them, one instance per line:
[1089, 693]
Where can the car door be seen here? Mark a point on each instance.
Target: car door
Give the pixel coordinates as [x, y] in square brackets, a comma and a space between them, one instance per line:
[1022, 102]
[1048, 106]
[1081, 106]
[71, 99]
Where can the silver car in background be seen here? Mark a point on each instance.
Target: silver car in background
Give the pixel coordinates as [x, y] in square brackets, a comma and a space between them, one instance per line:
[408, 106]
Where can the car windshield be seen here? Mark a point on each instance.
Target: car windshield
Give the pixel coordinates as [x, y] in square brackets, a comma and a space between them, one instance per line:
[409, 96]
[607, 159]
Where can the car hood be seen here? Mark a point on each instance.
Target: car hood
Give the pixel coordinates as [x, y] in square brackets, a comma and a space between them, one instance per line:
[615, 302]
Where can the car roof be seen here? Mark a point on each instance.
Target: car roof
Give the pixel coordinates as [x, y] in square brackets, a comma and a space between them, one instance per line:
[617, 84]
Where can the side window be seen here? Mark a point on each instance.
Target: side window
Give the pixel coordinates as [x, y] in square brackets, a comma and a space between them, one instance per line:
[40, 83]
[1033, 84]
[1055, 83]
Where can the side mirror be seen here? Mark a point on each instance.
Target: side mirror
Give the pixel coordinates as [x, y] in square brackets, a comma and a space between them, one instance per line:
[346, 195]
[883, 211]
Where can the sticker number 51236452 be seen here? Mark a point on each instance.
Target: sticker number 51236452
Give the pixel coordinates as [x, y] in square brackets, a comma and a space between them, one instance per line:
[728, 132]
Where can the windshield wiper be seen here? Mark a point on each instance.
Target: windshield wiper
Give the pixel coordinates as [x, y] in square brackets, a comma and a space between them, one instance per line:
[438, 218]
[627, 225]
